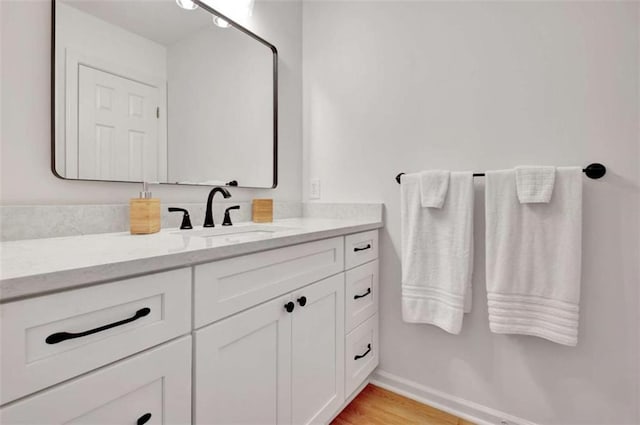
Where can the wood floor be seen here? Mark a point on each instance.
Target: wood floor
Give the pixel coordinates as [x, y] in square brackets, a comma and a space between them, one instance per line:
[377, 406]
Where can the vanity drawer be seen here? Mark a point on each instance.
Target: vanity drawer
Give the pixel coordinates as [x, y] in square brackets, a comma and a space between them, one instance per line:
[49, 339]
[361, 354]
[154, 385]
[225, 287]
[360, 248]
[361, 292]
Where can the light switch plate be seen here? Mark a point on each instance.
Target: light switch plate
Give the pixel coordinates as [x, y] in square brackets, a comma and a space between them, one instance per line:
[314, 188]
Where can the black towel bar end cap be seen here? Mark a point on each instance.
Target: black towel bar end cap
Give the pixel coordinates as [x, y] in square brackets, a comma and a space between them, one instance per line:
[595, 170]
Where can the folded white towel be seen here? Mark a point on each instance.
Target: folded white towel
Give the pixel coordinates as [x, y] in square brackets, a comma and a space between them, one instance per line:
[533, 256]
[535, 184]
[437, 253]
[433, 188]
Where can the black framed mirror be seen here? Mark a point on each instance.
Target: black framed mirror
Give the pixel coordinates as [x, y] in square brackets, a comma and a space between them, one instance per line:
[163, 91]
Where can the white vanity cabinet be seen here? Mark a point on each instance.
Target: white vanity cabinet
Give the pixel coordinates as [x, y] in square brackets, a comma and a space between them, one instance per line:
[278, 363]
[52, 338]
[280, 336]
[153, 387]
[362, 296]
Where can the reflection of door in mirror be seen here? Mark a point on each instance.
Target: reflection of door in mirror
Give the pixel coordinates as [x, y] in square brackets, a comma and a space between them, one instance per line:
[118, 122]
[112, 101]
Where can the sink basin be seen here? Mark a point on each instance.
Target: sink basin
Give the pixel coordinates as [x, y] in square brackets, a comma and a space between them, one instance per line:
[236, 234]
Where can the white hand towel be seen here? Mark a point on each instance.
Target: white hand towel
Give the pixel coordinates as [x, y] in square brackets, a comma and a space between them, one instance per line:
[533, 256]
[437, 253]
[535, 184]
[433, 188]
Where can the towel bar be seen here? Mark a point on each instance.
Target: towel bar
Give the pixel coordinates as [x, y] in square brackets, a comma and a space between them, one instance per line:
[593, 171]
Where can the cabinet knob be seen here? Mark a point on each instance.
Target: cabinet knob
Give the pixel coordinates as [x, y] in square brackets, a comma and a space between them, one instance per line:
[289, 306]
[302, 301]
[143, 419]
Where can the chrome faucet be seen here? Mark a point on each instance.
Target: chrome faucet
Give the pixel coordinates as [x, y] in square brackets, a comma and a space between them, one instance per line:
[208, 218]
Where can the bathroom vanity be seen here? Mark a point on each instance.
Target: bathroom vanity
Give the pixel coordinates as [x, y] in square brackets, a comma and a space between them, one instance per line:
[245, 324]
[269, 324]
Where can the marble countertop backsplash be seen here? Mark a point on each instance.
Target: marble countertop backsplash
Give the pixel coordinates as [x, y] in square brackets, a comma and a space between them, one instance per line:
[52, 221]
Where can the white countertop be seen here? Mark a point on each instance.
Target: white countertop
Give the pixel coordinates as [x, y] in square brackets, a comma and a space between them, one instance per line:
[37, 266]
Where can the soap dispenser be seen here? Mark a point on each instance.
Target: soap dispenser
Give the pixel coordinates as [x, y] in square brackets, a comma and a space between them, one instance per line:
[144, 213]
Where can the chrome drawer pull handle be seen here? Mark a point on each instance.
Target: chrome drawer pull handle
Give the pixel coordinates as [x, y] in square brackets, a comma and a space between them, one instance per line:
[63, 336]
[143, 419]
[355, 297]
[363, 248]
[359, 356]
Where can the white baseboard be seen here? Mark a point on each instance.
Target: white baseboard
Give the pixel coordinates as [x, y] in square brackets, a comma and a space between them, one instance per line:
[473, 412]
[350, 399]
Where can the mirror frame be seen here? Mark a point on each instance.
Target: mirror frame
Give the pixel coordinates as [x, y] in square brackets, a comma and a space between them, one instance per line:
[212, 11]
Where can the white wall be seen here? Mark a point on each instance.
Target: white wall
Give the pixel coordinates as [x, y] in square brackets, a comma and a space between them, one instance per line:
[404, 86]
[25, 142]
[208, 133]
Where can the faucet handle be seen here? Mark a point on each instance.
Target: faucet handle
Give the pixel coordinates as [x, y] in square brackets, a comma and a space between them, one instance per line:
[186, 221]
[227, 216]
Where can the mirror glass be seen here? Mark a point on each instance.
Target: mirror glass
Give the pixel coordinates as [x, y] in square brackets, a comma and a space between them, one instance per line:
[149, 91]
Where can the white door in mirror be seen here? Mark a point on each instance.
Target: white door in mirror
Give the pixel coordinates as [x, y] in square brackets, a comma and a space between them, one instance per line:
[117, 127]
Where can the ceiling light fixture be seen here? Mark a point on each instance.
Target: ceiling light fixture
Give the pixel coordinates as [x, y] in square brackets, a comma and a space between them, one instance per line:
[238, 10]
[187, 4]
[220, 22]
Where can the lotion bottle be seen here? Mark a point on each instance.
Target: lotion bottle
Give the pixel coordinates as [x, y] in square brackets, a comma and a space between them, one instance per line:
[144, 213]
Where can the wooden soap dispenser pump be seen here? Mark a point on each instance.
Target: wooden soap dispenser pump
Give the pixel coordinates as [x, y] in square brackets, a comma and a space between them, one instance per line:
[144, 213]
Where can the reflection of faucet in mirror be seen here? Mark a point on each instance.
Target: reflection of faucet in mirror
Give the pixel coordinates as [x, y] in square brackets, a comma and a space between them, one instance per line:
[208, 218]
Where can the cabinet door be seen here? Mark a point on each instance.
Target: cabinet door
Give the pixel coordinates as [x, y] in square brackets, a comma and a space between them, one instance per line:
[242, 368]
[317, 346]
[151, 388]
[229, 286]
[361, 294]
[148, 310]
[361, 354]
